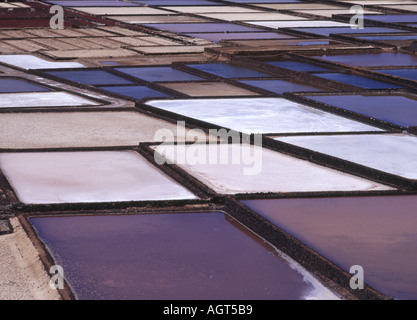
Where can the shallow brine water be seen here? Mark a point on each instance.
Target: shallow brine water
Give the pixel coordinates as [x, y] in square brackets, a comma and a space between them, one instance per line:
[171, 256]
[377, 233]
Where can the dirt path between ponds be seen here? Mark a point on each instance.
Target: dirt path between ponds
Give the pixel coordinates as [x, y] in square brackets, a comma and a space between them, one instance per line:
[22, 275]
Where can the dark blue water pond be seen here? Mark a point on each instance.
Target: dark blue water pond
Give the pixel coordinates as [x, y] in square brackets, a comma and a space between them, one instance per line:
[358, 81]
[395, 18]
[374, 59]
[398, 110]
[167, 256]
[14, 85]
[216, 36]
[280, 86]
[159, 74]
[403, 73]
[389, 37]
[228, 71]
[91, 77]
[136, 92]
[298, 66]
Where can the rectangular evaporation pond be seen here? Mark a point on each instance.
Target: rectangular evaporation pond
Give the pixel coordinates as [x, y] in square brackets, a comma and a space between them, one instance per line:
[171, 256]
[139, 19]
[159, 74]
[265, 1]
[377, 233]
[83, 129]
[280, 86]
[210, 9]
[218, 36]
[98, 3]
[358, 81]
[136, 92]
[410, 74]
[201, 27]
[373, 59]
[206, 89]
[391, 37]
[299, 24]
[228, 70]
[408, 7]
[395, 154]
[394, 18]
[327, 31]
[43, 99]
[26, 61]
[90, 77]
[14, 85]
[253, 169]
[179, 3]
[261, 115]
[73, 177]
[328, 13]
[398, 110]
[115, 11]
[298, 66]
[249, 17]
[278, 42]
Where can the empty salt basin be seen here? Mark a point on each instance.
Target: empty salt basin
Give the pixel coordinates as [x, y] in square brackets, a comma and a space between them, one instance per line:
[43, 99]
[373, 59]
[376, 233]
[281, 86]
[171, 256]
[397, 109]
[83, 129]
[235, 169]
[207, 89]
[392, 153]
[72, 177]
[228, 70]
[261, 115]
[26, 61]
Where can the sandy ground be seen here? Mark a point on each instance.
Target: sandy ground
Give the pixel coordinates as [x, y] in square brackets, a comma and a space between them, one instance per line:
[22, 275]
